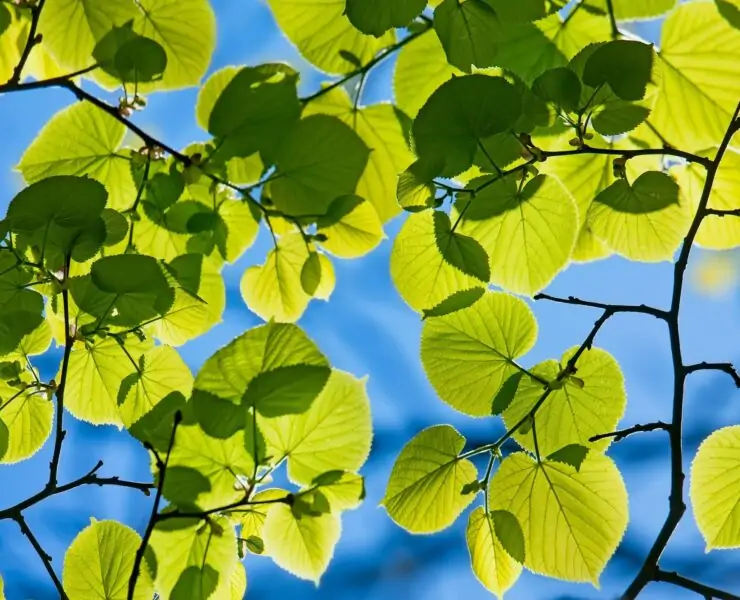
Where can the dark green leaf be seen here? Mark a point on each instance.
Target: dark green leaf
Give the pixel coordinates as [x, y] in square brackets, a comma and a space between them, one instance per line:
[457, 301]
[255, 544]
[155, 427]
[468, 32]
[520, 10]
[619, 117]
[510, 534]
[459, 250]
[140, 60]
[506, 394]
[729, 10]
[286, 390]
[560, 87]
[624, 65]
[311, 274]
[128, 274]
[375, 17]
[573, 455]
[116, 226]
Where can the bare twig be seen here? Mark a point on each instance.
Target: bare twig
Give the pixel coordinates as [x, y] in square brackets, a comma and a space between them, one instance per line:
[727, 368]
[32, 41]
[623, 433]
[45, 558]
[689, 584]
[616, 308]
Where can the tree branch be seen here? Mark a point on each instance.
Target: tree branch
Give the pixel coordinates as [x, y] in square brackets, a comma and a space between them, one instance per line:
[612, 20]
[162, 467]
[689, 584]
[619, 435]
[705, 162]
[727, 368]
[715, 212]
[677, 506]
[33, 40]
[615, 308]
[45, 558]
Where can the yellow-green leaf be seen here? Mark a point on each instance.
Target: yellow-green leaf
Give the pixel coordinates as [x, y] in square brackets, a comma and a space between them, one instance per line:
[27, 417]
[492, 565]
[430, 262]
[82, 140]
[715, 488]
[470, 353]
[351, 226]
[574, 412]
[302, 546]
[333, 434]
[424, 493]
[274, 290]
[572, 520]
[194, 558]
[324, 36]
[383, 129]
[528, 231]
[252, 519]
[99, 563]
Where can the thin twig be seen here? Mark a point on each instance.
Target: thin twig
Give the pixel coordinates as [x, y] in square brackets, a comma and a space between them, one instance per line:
[620, 434]
[616, 308]
[162, 468]
[612, 20]
[32, 41]
[689, 584]
[727, 368]
[45, 558]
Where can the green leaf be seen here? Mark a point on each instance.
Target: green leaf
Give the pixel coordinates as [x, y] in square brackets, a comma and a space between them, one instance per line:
[161, 371]
[730, 10]
[274, 290]
[522, 11]
[27, 417]
[140, 60]
[302, 546]
[155, 427]
[274, 367]
[194, 559]
[714, 488]
[82, 140]
[318, 159]
[252, 520]
[460, 114]
[492, 565]
[335, 433]
[715, 232]
[469, 354]
[424, 493]
[622, 213]
[184, 29]
[311, 274]
[6, 19]
[455, 302]
[248, 109]
[384, 130]
[375, 17]
[324, 35]
[468, 32]
[416, 190]
[509, 532]
[94, 378]
[559, 86]
[572, 454]
[430, 262]
[616, 118]
[202, 470]
[562, 539]
[631, 10]
[692, 111]
[421, 68]
[194, 310]
[572, 413]
[99, 563]
[60, 216]
[625, 65]
[352, 227]
[529, 230]
[506, 393]
[344, 491]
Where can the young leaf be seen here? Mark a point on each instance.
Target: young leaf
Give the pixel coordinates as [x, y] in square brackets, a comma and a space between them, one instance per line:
[252, 519]
[621, 214]
[492, 565]
[484, 340]
[455, 302]
[416, 190]
[539, 222]
[461, 113]
[715, 487]
[302, 546]
[344, 491]
[468, 32]
[375, 17]
[333, 434]
[27, 417]
[99, 563]
[547, 498]
[424, 493]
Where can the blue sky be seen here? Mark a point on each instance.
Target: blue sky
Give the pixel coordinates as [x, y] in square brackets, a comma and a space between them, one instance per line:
[367, 330]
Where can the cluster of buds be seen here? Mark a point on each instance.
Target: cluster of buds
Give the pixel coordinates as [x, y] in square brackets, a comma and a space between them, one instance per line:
[619, 167]
[127, 105]
[154, 152]
[25, 3]
[529, 151]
